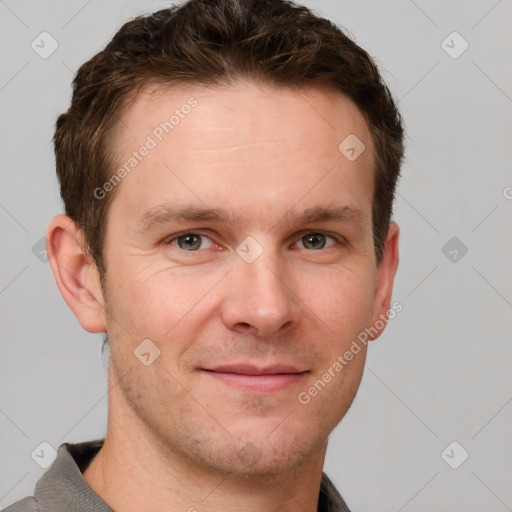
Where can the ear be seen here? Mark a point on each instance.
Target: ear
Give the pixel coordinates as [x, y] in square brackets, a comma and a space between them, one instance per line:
[385, 276]
[75, 273]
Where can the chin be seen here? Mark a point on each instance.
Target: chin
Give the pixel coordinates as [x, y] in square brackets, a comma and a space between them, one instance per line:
[255, 456]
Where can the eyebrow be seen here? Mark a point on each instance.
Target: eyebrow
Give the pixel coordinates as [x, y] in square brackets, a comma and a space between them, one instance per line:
[167, 214]
[347, 214]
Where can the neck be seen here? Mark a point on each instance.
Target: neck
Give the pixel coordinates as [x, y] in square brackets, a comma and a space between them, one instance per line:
[133, 471]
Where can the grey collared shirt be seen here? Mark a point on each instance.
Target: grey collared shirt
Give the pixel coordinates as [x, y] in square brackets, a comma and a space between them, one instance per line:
[63, 489]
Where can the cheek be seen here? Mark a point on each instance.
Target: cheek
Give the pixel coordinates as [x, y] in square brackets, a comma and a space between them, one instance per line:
[342, 300]
[155, 301]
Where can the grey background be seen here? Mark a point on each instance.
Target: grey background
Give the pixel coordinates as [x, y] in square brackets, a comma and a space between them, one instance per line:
[441, 371]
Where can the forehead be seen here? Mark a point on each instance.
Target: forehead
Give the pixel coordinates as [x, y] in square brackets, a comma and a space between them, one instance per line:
[320, 110]
[242, 144]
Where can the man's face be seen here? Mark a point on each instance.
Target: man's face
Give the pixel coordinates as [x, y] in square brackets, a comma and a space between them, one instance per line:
[242, 242]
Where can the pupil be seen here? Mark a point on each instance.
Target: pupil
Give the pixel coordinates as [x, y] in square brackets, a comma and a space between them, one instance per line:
[189, 242]
[314, 241]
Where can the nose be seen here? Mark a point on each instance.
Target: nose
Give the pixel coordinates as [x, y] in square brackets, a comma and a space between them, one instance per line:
[259, 297]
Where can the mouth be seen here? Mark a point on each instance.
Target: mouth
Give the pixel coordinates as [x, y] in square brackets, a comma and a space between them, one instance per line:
[257, 380]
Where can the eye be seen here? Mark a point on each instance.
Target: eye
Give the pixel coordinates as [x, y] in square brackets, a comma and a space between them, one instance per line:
[315, 241]
[191, 242]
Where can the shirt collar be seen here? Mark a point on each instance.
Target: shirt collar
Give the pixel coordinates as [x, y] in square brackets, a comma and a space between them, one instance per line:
[63, 489]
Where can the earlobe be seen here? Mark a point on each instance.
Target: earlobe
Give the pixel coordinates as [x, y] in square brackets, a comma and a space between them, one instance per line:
[75, 273]
[385, 278]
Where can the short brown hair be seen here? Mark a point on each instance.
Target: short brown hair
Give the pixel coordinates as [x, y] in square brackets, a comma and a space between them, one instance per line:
[216, 42]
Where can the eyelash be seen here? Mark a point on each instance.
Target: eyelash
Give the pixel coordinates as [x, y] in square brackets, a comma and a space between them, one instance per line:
[336, 238]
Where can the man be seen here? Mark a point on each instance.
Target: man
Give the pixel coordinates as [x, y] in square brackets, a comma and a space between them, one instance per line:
[228, 170]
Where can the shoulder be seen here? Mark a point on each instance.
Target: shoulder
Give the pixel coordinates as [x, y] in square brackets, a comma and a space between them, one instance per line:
[330, 499]
[24, 505]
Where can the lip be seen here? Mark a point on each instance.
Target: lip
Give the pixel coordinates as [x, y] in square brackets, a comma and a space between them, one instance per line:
[249, 369]
[257, 380]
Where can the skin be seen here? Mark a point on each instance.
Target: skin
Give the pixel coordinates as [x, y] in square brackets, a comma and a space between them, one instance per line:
[179, 438]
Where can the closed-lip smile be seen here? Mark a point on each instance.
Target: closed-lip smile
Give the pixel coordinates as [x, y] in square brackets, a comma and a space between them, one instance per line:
[257, 379]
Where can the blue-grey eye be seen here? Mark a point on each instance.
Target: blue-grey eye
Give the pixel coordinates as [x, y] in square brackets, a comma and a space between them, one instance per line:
[192, 242]
[314, 241]
[189, 242]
